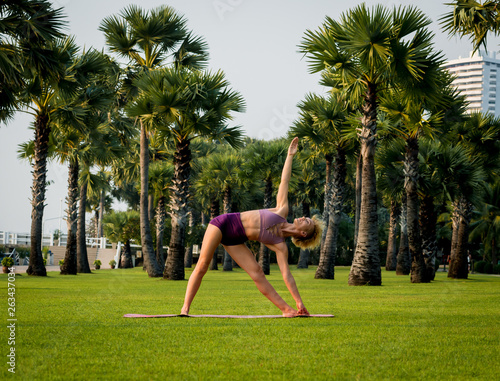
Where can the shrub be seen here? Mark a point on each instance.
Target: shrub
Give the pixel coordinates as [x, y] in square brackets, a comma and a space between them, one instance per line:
[479, 266]
[112, 263]
[61, 262]
[488, 268]
[496, 269]
[7, 262]
[97, 262]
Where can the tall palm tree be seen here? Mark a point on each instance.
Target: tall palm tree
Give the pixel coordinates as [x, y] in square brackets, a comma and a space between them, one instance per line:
[48, 97]
[418, 115]
[478, 136]
[473, 19]
[151, 40]
[486, 224]
[365, 52]
[185, 104]
[79, 140]
[25, 28]
[160, 176]
[389, 164]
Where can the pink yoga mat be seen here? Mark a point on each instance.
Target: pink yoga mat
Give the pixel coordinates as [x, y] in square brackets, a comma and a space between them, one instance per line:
[220, 316]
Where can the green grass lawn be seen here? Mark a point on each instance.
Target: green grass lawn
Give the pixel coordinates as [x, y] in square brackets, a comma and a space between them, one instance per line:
[71, 327]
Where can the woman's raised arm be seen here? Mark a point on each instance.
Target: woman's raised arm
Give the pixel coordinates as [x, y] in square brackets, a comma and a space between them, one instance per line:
[282, 197]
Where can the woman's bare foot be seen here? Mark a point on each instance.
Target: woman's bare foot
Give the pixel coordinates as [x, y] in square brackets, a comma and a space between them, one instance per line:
[184, 311]
[290, 313]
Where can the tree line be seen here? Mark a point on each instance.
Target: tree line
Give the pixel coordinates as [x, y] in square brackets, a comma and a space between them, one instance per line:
[391, 139]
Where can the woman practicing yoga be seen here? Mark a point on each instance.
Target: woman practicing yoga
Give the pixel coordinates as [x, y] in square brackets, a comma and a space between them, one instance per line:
[268, 226]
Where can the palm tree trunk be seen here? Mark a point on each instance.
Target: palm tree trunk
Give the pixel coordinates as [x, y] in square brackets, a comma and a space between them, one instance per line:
[328, 195]
[81, 252]
[214, 212]
[428, 221]
[359, 183]
[458, 262]
[100, 227]
[392, 248]
[42, 132]
[69, 266]
[264, 251]
[365, 269]
[126, 257]
[151, 265]
[455, 222]
[161, 215]
[188, 254]
[304, 254]
[174, 269]
[151, 207]
[228, 261]
[96, 222]
[326, 267]
[418, 267]
[403, 265]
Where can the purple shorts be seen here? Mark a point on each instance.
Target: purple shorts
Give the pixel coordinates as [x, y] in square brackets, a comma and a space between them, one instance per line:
[233, 232]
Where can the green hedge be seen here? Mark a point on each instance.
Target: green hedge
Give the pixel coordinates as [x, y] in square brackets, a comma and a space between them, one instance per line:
[479, 266]
[488, 268]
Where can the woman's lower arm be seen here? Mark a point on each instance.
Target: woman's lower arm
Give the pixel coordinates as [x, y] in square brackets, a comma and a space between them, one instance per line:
[292, 287]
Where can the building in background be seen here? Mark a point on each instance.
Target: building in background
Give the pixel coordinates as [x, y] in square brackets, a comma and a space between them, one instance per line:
[477, 77]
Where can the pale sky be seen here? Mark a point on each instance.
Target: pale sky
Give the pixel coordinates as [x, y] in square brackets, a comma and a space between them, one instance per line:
[253, 41]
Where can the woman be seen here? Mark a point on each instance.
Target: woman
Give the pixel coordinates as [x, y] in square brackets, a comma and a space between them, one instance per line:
[268, 226]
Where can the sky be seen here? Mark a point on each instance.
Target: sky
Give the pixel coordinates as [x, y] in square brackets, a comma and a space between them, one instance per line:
[253, 41]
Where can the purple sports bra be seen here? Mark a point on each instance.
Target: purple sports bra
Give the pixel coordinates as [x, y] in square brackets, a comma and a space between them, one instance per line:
[269, 229]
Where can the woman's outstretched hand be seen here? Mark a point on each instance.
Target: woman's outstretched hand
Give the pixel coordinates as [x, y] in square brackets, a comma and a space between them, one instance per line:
[292, 150]
[302, 310]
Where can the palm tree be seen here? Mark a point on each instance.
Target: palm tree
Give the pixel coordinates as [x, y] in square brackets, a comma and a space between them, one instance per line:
[186, 104]
[106, 146]
[473, 19]
[478, 137]
[364, 53]
[25, 27]
[417, 116]
[150, 40]
[486, 224]
[123, 227]
[79, 140]
[52, 96]
[160, 176]
[389, 165]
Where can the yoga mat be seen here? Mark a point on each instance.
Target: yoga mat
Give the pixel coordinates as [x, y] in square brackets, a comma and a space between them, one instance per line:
[221, 316]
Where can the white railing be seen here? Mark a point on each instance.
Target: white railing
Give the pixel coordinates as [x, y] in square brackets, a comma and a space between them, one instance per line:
[101, 243]
[24, 239]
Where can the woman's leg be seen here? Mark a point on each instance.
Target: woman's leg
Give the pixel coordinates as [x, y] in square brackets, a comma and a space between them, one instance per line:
[245, 259]
[210, 242]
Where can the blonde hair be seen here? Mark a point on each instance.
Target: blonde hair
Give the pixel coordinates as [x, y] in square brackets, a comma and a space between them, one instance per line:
[312, 240]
